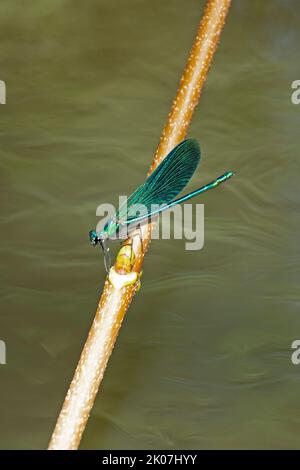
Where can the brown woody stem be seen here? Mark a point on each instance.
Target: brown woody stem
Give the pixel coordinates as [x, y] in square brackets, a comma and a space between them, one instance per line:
[120, 286]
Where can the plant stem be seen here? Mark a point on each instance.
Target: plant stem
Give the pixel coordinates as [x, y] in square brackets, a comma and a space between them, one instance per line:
[116, 298]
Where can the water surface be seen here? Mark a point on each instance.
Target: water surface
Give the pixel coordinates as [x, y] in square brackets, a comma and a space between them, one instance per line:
[203, 357]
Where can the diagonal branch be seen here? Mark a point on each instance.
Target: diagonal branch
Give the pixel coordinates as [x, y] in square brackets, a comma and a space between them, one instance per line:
[123, 280]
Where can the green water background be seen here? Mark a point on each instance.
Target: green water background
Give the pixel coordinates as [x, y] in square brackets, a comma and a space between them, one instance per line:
[203, 359]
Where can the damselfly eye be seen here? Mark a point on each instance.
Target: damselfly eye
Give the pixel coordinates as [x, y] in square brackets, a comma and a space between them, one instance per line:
[93, 237]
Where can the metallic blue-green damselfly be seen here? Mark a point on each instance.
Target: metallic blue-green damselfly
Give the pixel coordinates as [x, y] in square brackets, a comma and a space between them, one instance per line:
[159, 189]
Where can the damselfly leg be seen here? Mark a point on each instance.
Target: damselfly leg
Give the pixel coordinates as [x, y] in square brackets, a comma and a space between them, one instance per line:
[107, 257]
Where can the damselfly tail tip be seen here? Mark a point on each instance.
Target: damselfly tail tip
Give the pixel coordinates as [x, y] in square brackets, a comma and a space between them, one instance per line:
[225, 177]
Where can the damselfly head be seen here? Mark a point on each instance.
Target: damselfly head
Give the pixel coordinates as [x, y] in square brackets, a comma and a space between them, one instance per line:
[94, 239]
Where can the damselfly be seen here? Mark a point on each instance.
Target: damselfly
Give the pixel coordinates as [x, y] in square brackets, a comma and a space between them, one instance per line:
[159, 189]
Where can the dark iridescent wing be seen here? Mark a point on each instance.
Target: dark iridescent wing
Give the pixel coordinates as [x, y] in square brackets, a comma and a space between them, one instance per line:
[166, 182]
